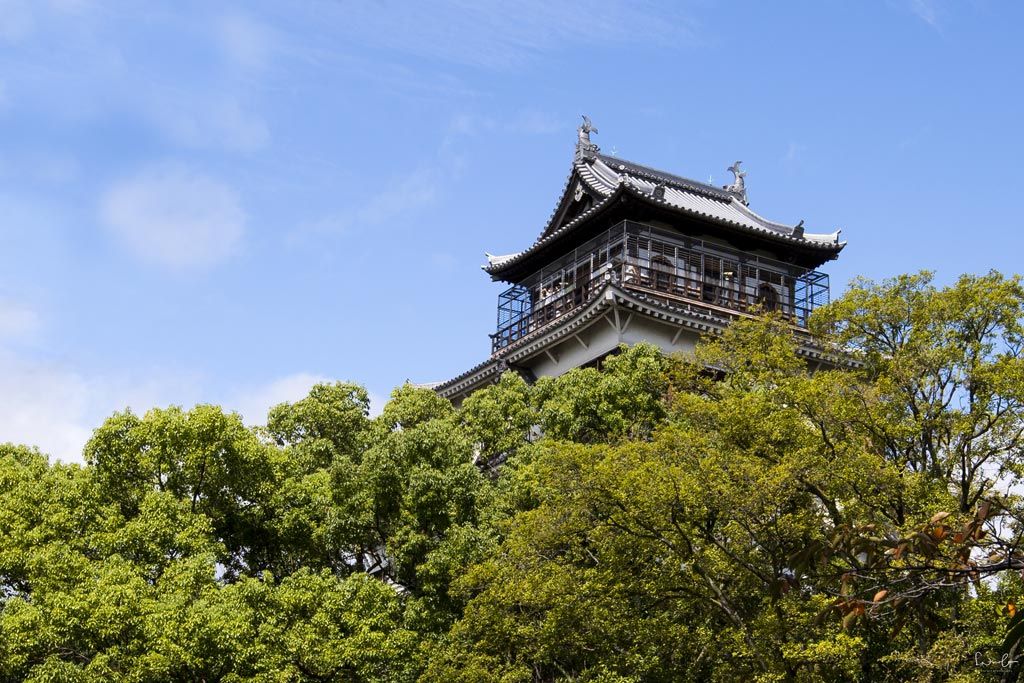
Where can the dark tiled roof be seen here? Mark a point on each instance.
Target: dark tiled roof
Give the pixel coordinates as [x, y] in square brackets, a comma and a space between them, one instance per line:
[639, 170]
[608, 178]
[701, 320]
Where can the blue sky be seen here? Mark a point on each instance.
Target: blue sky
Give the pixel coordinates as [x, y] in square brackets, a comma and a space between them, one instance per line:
[206, 202]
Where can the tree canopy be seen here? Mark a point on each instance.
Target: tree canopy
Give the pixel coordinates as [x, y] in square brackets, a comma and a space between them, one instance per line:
[772, 519]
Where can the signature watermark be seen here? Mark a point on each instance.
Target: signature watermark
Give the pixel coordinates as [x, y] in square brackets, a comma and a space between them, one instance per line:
[1006, 662]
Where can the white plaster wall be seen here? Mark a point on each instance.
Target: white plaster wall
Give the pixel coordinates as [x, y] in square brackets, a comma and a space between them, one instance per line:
[643, 329]
[601, 337]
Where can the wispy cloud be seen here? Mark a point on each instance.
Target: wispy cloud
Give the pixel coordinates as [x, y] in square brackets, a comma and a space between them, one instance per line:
[42, 167]
[16, 20]
[244, 40]
[77, 62]
[55, 407]
[406, 81]
[43, 406]
[406, 194]
[403, 195]
[255, 402]
[928, 12]
[21, 19]
[523, 122]
[17, 321]
[495, 34]
[174, 216]
[40, 404]
[794, 152]
[209, 121]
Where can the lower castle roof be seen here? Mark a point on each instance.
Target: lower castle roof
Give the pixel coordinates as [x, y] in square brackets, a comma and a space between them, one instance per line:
[699, 319]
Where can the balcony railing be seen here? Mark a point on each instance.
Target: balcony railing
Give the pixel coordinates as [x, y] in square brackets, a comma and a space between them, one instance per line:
[669, 267]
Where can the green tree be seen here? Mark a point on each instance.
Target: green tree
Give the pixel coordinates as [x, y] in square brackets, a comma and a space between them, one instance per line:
[777, 523]
[742, 513]
[500, 418]
[204, 457]
[327, 429]
[414, 499]
[623, 399]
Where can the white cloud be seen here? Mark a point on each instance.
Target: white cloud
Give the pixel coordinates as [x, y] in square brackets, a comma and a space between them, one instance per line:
[411, 192]
[52, 168]
[17, 321]
[39, 167]
[926, 11]
[16, 20]
[533, 122]
[524, 122]
[175, 217]
[202, 121]
[406, 194]
[245, 41]
[216, 110]
[43, 406]
[78, 60]
[20, 18]
[794, 152]
[497, 34]
[253, 405]
[73, 6]
[55, 407]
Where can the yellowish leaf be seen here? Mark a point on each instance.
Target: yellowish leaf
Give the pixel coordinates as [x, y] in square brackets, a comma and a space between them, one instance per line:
[938, 517]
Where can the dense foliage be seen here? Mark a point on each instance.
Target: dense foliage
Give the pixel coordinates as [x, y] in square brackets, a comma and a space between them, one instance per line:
[773, 519]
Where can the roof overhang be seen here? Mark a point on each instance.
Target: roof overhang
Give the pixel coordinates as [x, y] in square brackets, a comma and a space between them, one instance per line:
[695, 318]
[608, 182]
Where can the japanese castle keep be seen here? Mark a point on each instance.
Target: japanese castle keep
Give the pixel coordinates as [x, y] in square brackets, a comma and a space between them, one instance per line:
[635, 254]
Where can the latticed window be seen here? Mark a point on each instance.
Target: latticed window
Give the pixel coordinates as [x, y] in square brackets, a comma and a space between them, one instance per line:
[748, 282]
[641, 257]
[662, 273]
[662, 248]
[768, 297]
[712, 274]
[690, 265]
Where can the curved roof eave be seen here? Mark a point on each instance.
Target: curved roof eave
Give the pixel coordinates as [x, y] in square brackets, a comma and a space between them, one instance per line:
[544, 240]
[830, 245]
[700, 321]
[824, 242]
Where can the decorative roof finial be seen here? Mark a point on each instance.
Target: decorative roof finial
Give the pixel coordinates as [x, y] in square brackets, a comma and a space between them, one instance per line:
[738, 187]
[584, 147]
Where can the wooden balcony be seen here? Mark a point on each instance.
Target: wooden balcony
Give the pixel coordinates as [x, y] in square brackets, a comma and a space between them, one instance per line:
[643, 259]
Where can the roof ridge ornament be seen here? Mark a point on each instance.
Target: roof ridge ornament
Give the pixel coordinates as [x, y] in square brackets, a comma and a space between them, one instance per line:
[585, 149]
[738, 188]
